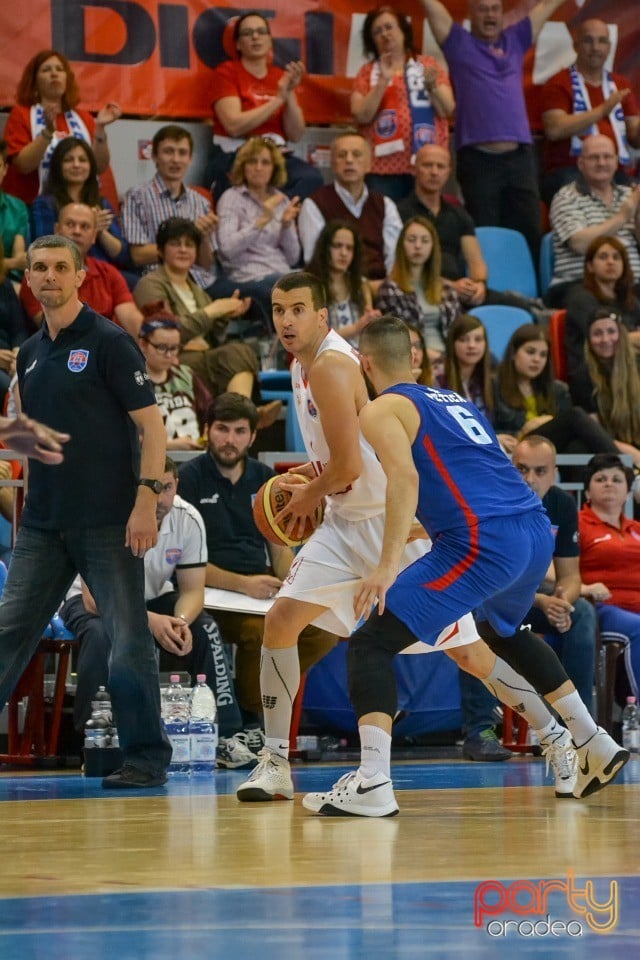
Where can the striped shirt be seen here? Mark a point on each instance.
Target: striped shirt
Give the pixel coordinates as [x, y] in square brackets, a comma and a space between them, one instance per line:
[573, 208]
[145, 208]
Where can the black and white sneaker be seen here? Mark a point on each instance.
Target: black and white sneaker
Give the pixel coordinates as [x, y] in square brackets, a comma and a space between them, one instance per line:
[600, 759]
[353, 796]
[234, 754]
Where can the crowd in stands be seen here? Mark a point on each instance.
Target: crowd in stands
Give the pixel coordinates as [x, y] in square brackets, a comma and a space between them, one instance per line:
[187, 272]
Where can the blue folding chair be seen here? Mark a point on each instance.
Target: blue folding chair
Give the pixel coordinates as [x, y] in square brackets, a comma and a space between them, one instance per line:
[508, 260]
[500, 322]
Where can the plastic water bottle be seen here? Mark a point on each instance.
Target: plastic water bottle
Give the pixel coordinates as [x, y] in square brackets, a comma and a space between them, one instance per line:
[175, 713]
[631, 726]
[203, 727]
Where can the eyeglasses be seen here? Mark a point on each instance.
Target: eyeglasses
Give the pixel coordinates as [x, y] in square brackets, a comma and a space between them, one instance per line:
[165, 348]
[249, 32]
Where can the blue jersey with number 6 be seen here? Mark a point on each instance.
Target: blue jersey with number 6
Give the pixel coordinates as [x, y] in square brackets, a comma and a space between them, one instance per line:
[464, 476]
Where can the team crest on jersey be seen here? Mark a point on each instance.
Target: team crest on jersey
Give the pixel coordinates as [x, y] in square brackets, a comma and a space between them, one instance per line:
[140, 377]
[78, 360]
[312, 410]
[172, 555]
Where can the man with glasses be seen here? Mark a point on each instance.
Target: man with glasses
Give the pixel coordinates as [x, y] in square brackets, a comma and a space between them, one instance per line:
[594, 206]
[103, 288]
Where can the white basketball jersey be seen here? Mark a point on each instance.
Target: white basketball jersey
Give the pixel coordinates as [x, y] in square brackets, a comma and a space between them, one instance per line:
[366, 496]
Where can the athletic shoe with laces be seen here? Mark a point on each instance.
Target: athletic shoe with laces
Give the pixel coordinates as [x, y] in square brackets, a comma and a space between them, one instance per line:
[561, 756]
[270, 780]
[354, 796]
[600, 759]
[234, 754]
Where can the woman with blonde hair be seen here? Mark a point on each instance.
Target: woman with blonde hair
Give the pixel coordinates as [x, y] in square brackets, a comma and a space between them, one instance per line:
[607, 385]
[415, 291]
[256, 232]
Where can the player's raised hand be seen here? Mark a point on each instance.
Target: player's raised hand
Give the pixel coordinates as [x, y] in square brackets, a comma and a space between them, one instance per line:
[373, 591]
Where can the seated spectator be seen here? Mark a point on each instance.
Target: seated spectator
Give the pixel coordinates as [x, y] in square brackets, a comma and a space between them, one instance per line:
[607, 385]
[566, 620]
[256, 232]
[167, 196]
[186, 635]
[415, 290]
[610, 557]
[337, 261]
[400, 99]
[254, 98]
[203, 321]
[468, 368]
[608, 282]
[182, 397]
[103, 288]
[528, 400]
[221, 484]
[420, 365]
[586, 98]
[594, 206]
[73, 178]
[14, 225]
[13, 328]
[348, 198]
[462, 261]
[46, 112]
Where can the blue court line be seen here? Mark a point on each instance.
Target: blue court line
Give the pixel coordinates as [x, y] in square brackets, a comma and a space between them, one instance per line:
[401, 921]
[521, 772]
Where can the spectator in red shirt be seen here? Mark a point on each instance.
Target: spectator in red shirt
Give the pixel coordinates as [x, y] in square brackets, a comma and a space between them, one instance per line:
[104, 288]
[610, 556]
[45, 113]
[254, 98]
[582, 100]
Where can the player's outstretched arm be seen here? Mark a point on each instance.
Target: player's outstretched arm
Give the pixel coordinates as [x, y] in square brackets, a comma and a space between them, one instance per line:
[387, 434]
[33, 439]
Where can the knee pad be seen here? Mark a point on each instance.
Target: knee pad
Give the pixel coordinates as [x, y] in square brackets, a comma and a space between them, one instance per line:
[372, 681]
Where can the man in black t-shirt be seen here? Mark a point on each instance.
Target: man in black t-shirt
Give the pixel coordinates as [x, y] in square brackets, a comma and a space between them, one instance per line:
[95, 512]
[566, 619]
[222, 484]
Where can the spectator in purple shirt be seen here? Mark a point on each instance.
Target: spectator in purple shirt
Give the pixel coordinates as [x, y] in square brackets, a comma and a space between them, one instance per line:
[495, 161]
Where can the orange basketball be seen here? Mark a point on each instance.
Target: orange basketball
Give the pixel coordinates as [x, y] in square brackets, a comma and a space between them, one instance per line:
[270, 500]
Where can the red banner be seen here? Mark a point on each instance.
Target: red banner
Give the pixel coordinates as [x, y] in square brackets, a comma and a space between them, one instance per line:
[156, 59]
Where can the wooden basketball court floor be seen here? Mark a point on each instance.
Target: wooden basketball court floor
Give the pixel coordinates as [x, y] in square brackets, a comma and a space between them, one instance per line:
[188, 872]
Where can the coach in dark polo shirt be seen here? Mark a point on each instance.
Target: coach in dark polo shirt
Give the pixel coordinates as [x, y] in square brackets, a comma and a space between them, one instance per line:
[221, 484]
[95, 513]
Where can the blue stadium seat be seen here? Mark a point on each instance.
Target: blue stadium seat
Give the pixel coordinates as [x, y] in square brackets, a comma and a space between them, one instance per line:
[508, 260]
[546, 262]
[500, 322]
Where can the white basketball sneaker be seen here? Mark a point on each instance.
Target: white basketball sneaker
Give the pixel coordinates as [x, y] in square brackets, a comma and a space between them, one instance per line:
[600, 759]
[353, 796]
[270, 780]
[561, 756]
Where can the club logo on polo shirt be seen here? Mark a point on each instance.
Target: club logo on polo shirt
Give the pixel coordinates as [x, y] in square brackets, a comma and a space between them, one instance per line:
[140, 377]
[172, 555]
[78, 360]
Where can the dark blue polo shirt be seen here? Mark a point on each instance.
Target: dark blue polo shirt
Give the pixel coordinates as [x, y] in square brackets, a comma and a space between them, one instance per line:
[84, 383]
[233, 540]
[563, 514]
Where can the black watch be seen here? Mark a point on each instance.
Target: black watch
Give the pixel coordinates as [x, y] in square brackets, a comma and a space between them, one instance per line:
[156, 485]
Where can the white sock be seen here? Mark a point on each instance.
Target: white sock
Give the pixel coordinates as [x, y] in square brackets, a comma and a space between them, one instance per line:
[279, 682]
[516, 692]
[375, 751]
[551, 733]
[579, 721]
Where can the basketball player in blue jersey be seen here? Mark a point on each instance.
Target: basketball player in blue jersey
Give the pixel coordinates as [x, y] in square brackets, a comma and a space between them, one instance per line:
[492, 545]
